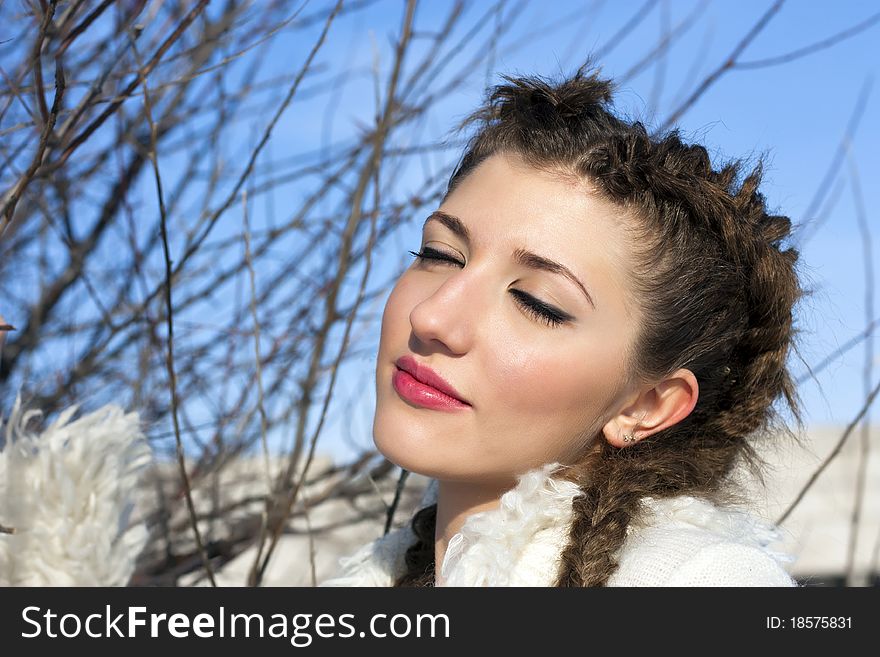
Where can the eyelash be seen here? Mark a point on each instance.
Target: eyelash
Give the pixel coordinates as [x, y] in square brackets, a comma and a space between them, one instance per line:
[534, 307]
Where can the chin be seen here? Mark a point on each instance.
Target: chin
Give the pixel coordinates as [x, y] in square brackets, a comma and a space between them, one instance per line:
[419, 446]
[407, 456]
[418, 459]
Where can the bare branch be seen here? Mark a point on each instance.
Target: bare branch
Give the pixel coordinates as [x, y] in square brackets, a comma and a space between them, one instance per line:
[831, 456]
[169, 358]
[9, 203]
[865, 434]
[813, 47]
[727, 65]
[808, 223]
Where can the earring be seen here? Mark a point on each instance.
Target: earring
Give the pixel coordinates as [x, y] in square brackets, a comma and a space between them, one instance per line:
[629, 438]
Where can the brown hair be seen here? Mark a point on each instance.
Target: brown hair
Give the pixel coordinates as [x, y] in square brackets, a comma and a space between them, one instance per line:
[715, 289]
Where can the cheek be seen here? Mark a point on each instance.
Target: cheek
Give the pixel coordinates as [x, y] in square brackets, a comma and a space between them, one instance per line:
[542, 381]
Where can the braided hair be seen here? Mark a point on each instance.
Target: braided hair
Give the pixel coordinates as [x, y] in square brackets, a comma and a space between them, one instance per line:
[715, 287]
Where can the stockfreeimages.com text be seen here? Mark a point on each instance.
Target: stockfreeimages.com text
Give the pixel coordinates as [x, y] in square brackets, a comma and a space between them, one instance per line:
[300, 629]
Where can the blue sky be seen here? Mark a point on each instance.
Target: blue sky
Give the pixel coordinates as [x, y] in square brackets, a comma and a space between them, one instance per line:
[794, 115]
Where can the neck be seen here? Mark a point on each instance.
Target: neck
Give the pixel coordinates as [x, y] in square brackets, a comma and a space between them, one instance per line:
[456, 501]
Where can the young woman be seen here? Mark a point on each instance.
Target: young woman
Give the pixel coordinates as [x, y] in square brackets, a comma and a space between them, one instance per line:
[591, 338]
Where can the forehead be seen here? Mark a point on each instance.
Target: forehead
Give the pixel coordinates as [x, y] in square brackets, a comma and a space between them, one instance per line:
[507, 204]
[504, 195]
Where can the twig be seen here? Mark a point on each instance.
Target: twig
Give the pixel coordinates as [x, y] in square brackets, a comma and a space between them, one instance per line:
[493, 43]
[37, 59]
[840, 351]
[312, 569]
[663, 45]
[660, 68]
[398, 491]
[834, 166]
[169, 309]
[813, 47]
[12, 200]
[727, 65]
[267, 505]
[615, 40]
[874, 561]
[864, 442]
[257, 358]
[831, 456]
[88, 20]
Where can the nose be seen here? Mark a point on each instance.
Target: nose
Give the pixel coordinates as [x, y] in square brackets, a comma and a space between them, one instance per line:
[449, 314]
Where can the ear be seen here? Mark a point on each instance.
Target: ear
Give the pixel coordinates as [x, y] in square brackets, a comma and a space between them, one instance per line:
[653, 409]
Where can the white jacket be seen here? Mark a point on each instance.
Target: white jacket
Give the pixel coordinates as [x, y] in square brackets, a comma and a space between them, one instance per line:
[682, 541]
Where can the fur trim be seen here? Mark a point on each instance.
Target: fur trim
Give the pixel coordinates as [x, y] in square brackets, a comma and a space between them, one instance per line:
[732, 524]
[375, 564]
[482, 552]
[69, 493]
[519, 543]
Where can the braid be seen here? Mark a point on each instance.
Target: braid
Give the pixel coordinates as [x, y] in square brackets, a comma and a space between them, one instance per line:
[419, 557]
[600, 519]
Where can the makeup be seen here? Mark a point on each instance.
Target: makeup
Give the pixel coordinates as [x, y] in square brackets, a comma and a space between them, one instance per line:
[422, 386]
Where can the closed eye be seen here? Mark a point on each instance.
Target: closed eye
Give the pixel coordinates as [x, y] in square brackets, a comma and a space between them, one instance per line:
[427, 253]
[536, 308]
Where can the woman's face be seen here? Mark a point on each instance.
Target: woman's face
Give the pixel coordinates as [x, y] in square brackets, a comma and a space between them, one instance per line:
[535, 392]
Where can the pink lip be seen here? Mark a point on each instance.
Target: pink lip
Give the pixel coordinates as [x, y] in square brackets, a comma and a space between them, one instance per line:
[420, 385]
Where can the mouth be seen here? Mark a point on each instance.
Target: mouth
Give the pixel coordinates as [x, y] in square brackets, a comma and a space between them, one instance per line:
[425, 383]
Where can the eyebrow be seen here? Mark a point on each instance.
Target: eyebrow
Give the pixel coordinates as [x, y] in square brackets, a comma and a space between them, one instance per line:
[521, 256]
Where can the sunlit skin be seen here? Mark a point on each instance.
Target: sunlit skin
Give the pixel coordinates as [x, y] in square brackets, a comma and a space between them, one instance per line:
[537, 393]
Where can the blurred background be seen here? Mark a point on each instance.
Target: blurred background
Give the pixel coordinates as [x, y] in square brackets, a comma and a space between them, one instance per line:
[262, 168]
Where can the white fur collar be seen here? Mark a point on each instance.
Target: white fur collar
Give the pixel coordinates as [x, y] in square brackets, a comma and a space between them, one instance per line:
[490, 542]
[519, 542]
